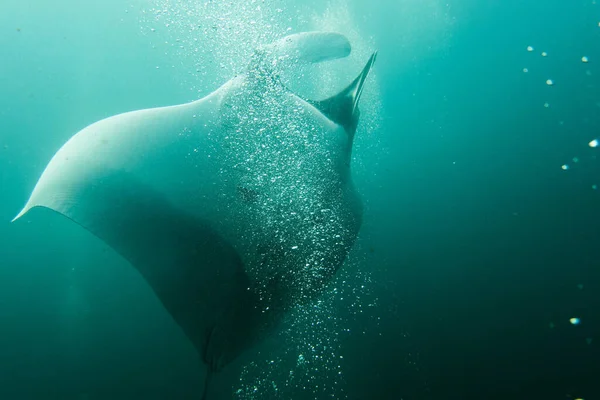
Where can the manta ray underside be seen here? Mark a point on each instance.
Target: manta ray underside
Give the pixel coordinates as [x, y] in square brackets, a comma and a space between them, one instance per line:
[235, 207]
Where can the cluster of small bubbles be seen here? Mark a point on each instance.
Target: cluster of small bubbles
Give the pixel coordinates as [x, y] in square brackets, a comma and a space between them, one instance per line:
[282, 169]
[286, 163]
[338, 17]
[212, 41]
[218, 39]
[594, 143]
[256, 382]
[312, 361]
[549, 82]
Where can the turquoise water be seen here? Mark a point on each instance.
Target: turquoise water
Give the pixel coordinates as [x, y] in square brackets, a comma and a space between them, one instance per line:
[480, 234]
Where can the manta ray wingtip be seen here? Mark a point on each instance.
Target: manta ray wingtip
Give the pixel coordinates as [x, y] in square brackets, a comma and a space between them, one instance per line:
[20, 214]
[23, 211]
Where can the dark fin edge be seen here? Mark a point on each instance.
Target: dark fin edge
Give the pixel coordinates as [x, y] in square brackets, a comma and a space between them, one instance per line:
[343, 107]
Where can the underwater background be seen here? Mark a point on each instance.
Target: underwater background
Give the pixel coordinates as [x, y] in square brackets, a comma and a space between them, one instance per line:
[476, 274]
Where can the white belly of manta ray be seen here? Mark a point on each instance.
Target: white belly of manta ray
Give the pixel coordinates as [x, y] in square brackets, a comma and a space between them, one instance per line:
[235, 207]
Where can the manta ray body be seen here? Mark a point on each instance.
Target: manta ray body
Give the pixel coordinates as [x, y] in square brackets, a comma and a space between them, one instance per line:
[235, 207]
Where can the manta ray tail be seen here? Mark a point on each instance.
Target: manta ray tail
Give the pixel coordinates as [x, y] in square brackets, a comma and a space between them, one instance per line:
[343, 107]
[207, 380]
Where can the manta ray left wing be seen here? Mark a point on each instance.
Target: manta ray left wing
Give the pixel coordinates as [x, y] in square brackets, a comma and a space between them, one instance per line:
[196, 274]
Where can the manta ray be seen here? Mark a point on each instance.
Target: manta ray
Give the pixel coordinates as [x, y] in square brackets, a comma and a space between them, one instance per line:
[234, 208]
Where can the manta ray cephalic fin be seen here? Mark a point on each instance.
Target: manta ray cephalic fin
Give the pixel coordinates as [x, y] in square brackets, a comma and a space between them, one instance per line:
[343, 107]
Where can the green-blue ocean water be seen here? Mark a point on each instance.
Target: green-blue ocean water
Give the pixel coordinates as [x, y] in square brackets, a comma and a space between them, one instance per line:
[480, 182]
